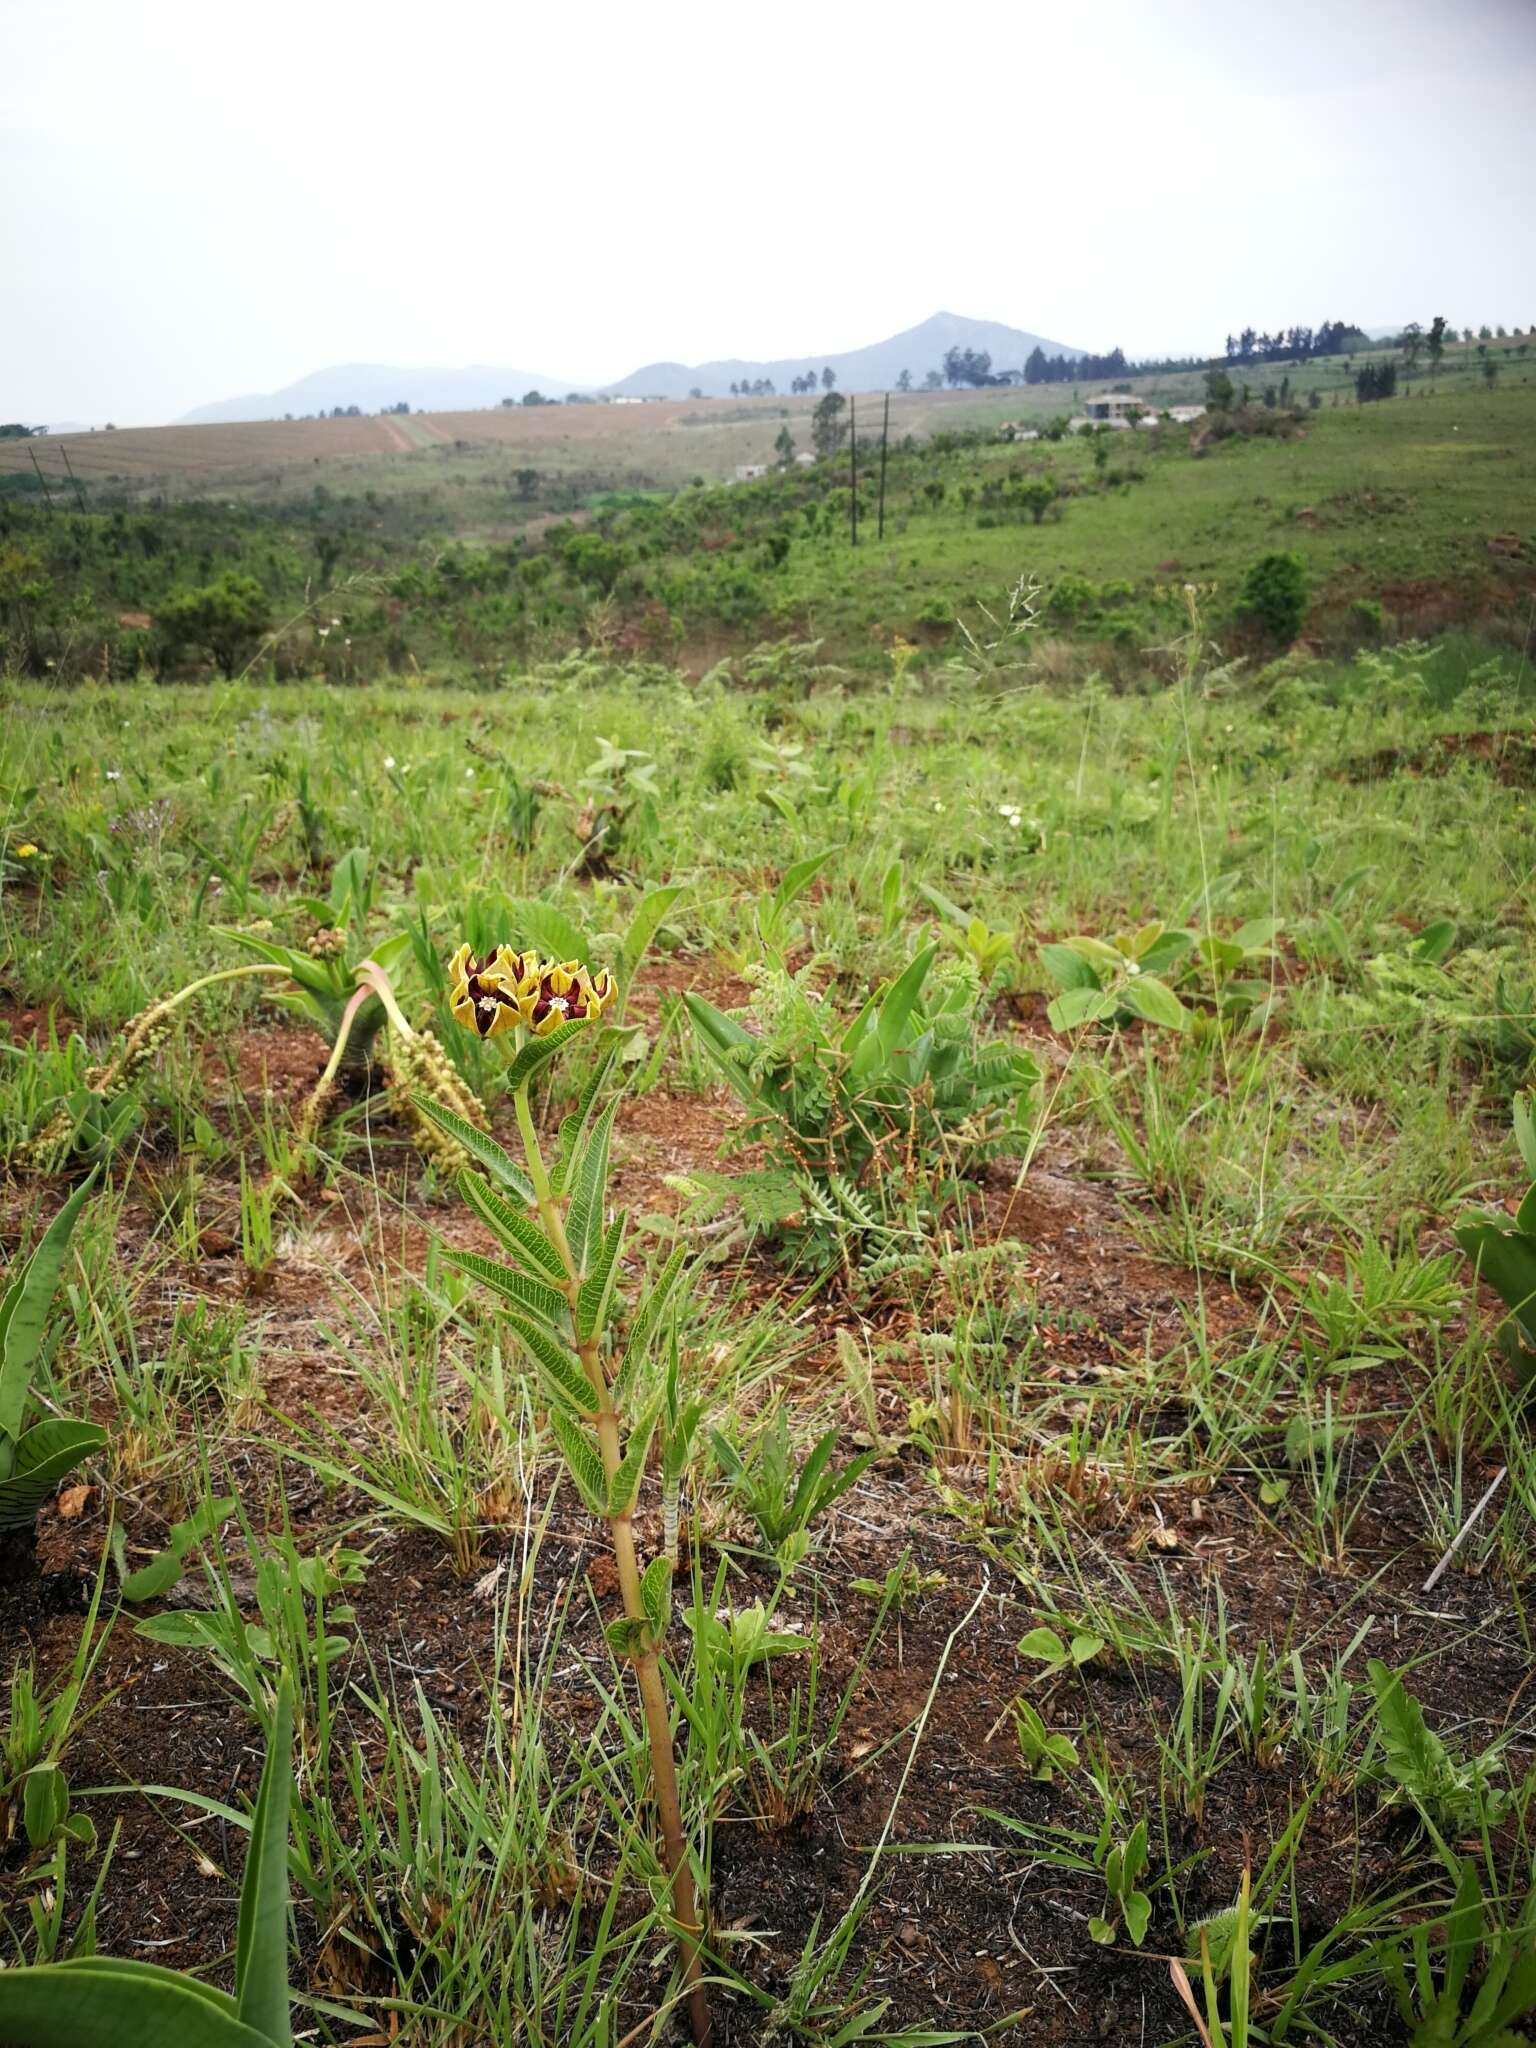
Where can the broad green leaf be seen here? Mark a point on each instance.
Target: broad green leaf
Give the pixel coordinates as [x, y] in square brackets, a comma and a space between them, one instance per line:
[499, 1165]
[722, 1036]
[1525, 1131]
[1153, 1000]
[24, 1311]
[116, 2004]
[793, 883]
[512, 1285]
[1080, 1006]
[519, 1233]
[644, 925]
[1257, 934]
[44, 1803]
[1044, 1645]
[1068, 969]
[43, 1455]
[947, 908]
[261, 1943]
[1137, 1908]
[549, 930]
[1506, 1259]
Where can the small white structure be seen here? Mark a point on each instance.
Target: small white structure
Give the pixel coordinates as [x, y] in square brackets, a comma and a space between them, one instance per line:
[749, 472]
[1181, 415]
[805, 460]
[1015, 430]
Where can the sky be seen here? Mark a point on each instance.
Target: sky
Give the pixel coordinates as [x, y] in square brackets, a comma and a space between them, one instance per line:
[202, 201]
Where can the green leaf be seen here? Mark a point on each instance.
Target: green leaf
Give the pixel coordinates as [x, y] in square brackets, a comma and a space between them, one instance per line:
[1506, 1259]
[1137, 1908]
[44, 1454]
[894, 1015]
[1068, 969]
[261, 1943]
[584, 1218]
[644, 925]
[581, 1456]
[1149, 998]
[548, 930]
[573, 1127]
[1435, 941]
[44, 1803]
[1086, 1005]
[646, 1317]
[99, 1999]
[624, 1486]
[597, 1289]
[162, 1571]
[793, 883]
[1102, 1931]
[514, 1286]
[1415, 1757]
[501, 1167]
[533, 1055]
[519, 1233]
[656, 1593]
[568, 1381]
[24, 1310]
[1044, 1645]
[722, 1037]
[1525, 1131]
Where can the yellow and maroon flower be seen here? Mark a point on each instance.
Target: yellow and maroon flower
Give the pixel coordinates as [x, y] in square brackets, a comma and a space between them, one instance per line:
[494, 994]
[570, 993]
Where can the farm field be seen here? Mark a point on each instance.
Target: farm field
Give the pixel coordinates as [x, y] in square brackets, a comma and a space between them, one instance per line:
[995, 1258]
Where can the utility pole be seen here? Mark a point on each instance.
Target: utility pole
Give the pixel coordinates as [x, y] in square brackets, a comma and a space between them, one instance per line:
[79, 494]
[853, 471]
[885, 435]
[47, 494]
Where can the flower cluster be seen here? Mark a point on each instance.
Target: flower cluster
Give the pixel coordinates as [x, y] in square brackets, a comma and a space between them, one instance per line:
[508, 990]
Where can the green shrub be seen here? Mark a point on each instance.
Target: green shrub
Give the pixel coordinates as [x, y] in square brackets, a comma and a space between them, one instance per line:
[1274, 596]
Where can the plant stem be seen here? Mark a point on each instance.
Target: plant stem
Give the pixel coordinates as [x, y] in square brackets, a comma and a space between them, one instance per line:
[322, 1088]
[644, 1658]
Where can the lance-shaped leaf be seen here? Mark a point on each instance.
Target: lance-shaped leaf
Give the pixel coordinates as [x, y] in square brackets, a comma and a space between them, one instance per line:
[519, 1233]
[519, 1288]
[581, 1455]
[732, 1047]
[584, 1219]
[573, 1128]
[656, 1593]
[533, 1055]
[643, 927]
[43, 1455]
[597, 1289]
[500, 1165]
[164, 1569]
[261, 1942]
[647, 1316]
[1506, 1260]
[24, 1310]
[568, 1381]
[624, 1486]
[894, 1015]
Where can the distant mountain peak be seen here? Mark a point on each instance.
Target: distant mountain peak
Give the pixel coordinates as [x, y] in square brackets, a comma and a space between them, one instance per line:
[374, 386]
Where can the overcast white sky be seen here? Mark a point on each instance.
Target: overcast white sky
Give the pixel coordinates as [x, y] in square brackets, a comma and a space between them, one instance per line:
[199, 200]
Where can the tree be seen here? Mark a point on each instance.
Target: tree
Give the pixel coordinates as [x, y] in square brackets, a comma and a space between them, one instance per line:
[1219, 391]
[1434, 343]
[933, 381]
[227, 616]
[784, 446]
[15, 431]
[1413, 343]
[904, 381]
[828, 427]
[828, 378]
[695, 392]
[536, 398]
[967, 366]
[1490, 371]
[1274, 596]
[1375, 380]
[527, 481]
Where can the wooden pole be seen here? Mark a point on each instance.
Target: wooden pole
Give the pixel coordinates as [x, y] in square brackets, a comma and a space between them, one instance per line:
[885, 435]
[47, 494]
[853, 471]
[79, 494]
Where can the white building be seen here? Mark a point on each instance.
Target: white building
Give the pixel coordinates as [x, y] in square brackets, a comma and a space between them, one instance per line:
[749, 472]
